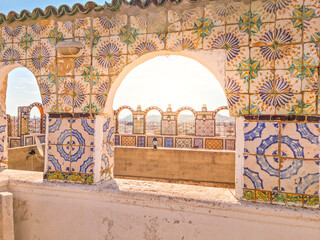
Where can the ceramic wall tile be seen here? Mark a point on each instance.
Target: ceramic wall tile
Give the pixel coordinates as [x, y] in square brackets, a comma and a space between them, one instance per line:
[59, 158]
[300, 140]
[261, 172]
[59, 131]
[183, 143]
[83, 132]
[215, 144]
[261, 138]
[168, 142]
[299, 176]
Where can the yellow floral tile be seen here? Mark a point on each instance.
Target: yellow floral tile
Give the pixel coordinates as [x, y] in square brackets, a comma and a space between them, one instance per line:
[258, 105]
[310, 101]
[234, 83]
[65, 85]
[288, 104]
[132, 58]
[102, 86]
[47, 85]
[234, 10]
[238, 104]
[33, 66]
[18, 33]
[49, 103]
[192, 40]
[261, 79]
[81, 64]
[287, 9]
[266, 11]
[242, 38]
[287, 53]
[139, 23]
[87, 46]
[309, 78]
[84, 83]
[66, 28]
[104, 41]
[46, 27]
[135, 47]
[242, 55]
[122, 47]
[47, 48]
[292, 32]
[34, 50]
[292, 84]
[188, 17]
[210, 11]
[312, 32]
[48, 65]
[34, 31]
[174, 27]
[101, 68]
[84, 105]
[258, 54]
[310, 56]
[261, 38]
[82, 26]
[172, 39]
[65, 103]
[216, 39]
[19, 52]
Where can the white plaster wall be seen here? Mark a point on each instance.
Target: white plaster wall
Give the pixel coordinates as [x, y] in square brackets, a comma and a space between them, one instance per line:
[146, 210]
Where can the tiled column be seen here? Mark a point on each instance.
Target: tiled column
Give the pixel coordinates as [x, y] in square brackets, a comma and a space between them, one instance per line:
[281, 160]
[3, 142]
[80, 147]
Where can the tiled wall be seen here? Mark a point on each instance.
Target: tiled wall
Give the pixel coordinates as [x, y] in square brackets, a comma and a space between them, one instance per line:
[173, 141]
[271, 69]
[282, 162]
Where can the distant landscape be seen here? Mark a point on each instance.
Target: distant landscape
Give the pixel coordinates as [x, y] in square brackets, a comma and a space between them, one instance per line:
[182, 118]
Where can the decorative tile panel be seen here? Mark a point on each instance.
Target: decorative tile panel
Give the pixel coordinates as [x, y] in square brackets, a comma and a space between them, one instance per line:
[159, 144]
[230, 144]
[183, 143]
[198, 143]
[205, 127]
[214, 144]
[168, 127]
[141, 141]
[168, 142]
[128, 141]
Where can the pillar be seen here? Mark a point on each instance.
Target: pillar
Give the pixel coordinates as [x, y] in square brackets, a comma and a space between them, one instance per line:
[80, 147]
[6, 216]
[280, 159]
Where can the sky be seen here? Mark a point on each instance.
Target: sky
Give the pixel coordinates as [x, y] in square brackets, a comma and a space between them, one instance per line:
[19, 5]
[174, 80]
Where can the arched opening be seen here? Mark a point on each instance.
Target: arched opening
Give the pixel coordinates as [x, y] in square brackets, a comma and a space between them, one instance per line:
[186, 123]
[153, 122]
[125, 122]
[180, 86]
[35, 120]
[224, 124]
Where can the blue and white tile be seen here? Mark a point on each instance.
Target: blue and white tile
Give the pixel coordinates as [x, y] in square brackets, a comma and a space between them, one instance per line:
[300, 176]
[59, 131]
[82, 159]
[261, 138]
[261, 172]
[83, 131]
[300, 140]
[58, 158]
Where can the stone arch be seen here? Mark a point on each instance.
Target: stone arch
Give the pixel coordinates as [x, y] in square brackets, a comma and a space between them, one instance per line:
[25, 112]
[153, 108]
[217, 56]
[218, 110]
[185, 108]
[177, 119]
[146, 113]
[118, 111]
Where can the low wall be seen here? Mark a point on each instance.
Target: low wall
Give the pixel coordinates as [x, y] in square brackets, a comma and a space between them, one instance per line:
[176, 164]
[20, 159]
[126, 209]
[202, 167]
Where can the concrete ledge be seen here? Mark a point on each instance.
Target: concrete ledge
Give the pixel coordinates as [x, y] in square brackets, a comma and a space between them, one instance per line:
[212, 211]
[6, 216]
